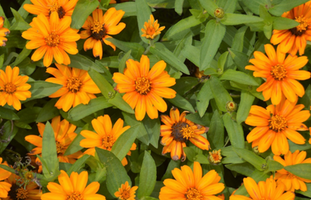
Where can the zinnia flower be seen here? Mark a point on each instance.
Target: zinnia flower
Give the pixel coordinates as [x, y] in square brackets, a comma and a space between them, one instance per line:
[105, 135]
[190, 185]
[177, 130]
[64, 135]
[3, 32]
[215, 156]
[144, 89]
[294, 39]
[78, 87]
[291, 181]
[52, 38]
[276, 124]
[151, 28]
[281, 74]
[13, 88]
[126, 192]
[264, 190]
[73, 188]
[46, 7]
[4, 186]
[99, 27]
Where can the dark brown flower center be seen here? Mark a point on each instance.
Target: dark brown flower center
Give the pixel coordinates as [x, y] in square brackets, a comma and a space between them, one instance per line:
[278, 72]
[143, 85]
[277, 123]
[301, 28]
[9, 88]
[181, 131]
[74, 84]
[98, 30]
[193, 194]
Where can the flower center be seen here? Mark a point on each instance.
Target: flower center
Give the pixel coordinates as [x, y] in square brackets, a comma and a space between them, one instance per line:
[302, 27]
[52, 40]
[181, 131]
[277, 123]
[125, 195]
[74, 84]
[74, 196]
[142, 85]
[59, 9]
[9, 88]
[107, 142]
[150, 30]
[193, 194]
[98, 30]
[278, 72]
[60, 148]
[21, 193]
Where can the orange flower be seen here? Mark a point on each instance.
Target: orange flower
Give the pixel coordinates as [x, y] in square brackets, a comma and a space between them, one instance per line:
[64, 135]
[177, 130]
[99, 27]
[264, 190]
[144, 89]
[190, 185]
[105, 135]
[151, 28]
[3, 32]
[276, 124]
[78, 87]
[295, 39]
[73, 188]
[52, 38]
[13, 87]
[281, 74]
[4, 186]
[126, 192]
[291, 181]
[46, 7]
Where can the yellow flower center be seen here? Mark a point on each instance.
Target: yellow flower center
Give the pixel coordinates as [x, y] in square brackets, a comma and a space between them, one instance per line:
[21, 193]
[150, 30]
[187, 132]
[60, 148]
[125, 194]
[181, 131]
[302, 27]
[52, 40]
[278, 72]
[277, 123]
[98, 30]
[75, 196]
[142, 85]
[193, 194]
[107, 142]
[59, 9]
[9, 88]
[74, 84]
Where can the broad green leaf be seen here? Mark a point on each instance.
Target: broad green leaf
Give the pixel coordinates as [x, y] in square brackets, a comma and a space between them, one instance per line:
[240, 59]
[181, 102]
[281, 23]
[160, 50]
[152, 126]
[8, 132]
[239, 77]
[205, 120]
[302, 170]
[203, 98]
[229, 156]
[254, 5]
[81, 62]
[192, 53]
[234, 130]
[104, 86]
[143, 135]
[125, 141]
[123, 60]
[75, 144]
[147, 176]
[29, 115]
[284, 6]
[128, 7]
[216, 131]
[160, 3]
[118, 101]
[306, 193]
[142, 16]
[258, 162]
[214, 34]
[48, 111]
[9, 114]
[230, 6]
[243, 168]
[20, 23]
[136, 49]
[179, 6]
[22, 11]
[209, 5]
[245, 105]
[273, 166]
[236, 19]
[78, 164]
[116, 173]
[22, 55]
[221, 95]
[40, 89]
[112, 61]
[81, 11]
[6, 21]
[190, 153]
[94, 105]
[7, 168]
[238, 41]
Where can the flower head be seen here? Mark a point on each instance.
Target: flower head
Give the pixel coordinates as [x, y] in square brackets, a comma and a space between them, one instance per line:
[99, 27]
[281, 74]
[177, 130]
[105, 135]
[72, 188]
[64, 135]
[190, 185]
[215, 156]
[4, 186]
[47, 7]
[295, 39]
[3, 32]
[126, 192]
[145, 88]
[53, 38]
[276, 124]
[291, 181]
[264, 190]
[151, 28]
[78, 87]
[13, 88]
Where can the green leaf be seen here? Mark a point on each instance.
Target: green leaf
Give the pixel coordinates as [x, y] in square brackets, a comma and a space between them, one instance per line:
[75, 144]
[221, 95]
[181, 102]
[234, 130]
[239, 77]
[101, 82]
[209, 5]
[245, 105]
[116, 174]
[128, 7]
[8, 132]
[48, 111]
[230, 156]
[203, 98]
[171, 165]
[81, 11]
[20, 23]
[192, 53]
[94, 105]
[118, 101]
[142, 16]
[306, 193]
[216, 131]
[302, 170]
[214, 34]
[179, 6]
[236, 19]
[123, 144]
[230, 6]
[240, 59]
[255, 160]
[29, 115]
[281, 23]
[273, 166]
[136, 49]
[160, 50]
[8, 114]
[152, 127]
[254, 5]
[242, 168]
[40, 89]
[78, 164]
[285, 6]
[81, 62]
[21, 56]
[147, 176]
[123, 60]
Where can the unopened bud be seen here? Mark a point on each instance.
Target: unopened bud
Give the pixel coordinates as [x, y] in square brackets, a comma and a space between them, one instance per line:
[219, 13]
[231, 106]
